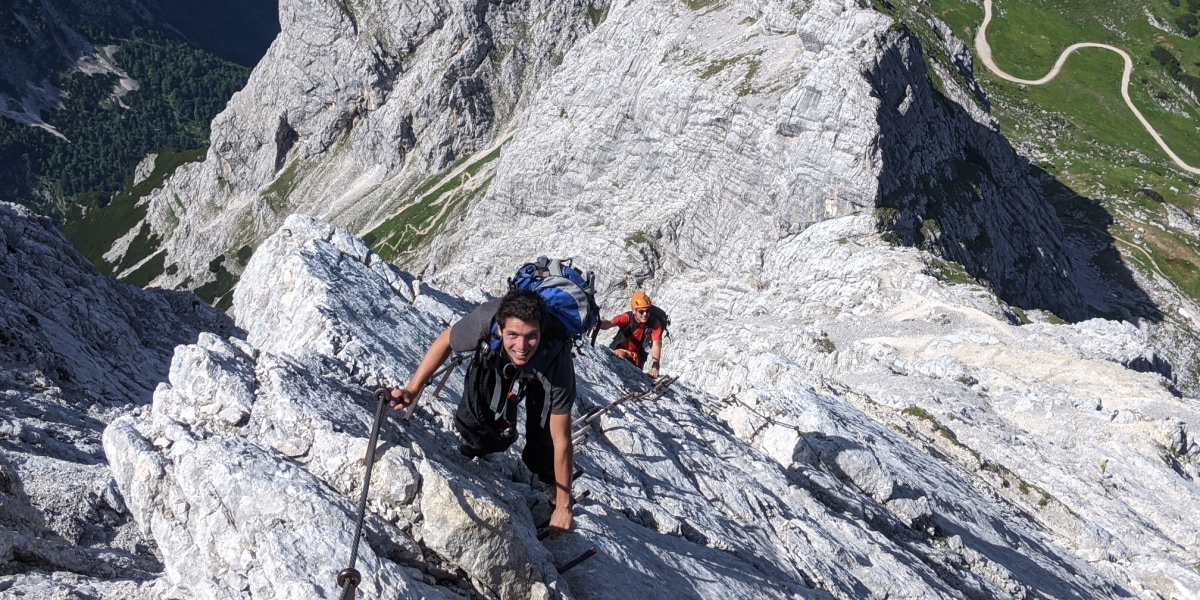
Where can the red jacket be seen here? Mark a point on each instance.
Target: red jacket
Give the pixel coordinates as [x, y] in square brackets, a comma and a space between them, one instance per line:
[632, 335]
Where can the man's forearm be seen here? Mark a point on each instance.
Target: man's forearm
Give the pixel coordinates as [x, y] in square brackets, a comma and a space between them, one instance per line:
[564, 459]
[434, 357]
[564, 456]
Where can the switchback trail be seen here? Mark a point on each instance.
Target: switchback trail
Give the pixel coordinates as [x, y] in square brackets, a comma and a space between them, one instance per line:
[985, 55]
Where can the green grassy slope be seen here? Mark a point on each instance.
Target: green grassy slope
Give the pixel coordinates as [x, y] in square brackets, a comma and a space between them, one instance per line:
[432, 205]
[180, 90]
[1079, 129]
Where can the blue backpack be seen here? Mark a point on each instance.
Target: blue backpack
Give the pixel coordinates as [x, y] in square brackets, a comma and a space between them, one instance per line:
[570, 295]
[569, 298]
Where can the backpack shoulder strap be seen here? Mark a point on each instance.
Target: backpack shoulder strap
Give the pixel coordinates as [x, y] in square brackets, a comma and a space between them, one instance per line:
[624, 332]
[654, 322]
[545, 359]
[659, 316]
[631, 323]
[486, 360]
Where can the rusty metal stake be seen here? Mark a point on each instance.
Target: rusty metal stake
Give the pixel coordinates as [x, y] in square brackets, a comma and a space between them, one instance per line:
[571, 564]
[349, 578]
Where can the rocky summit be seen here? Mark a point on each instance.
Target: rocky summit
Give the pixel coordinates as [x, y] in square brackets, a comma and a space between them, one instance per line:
[919, 445]
[936, 411]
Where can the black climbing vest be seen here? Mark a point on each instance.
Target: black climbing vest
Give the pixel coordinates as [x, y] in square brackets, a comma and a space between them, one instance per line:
[657, 315]
[494, 381]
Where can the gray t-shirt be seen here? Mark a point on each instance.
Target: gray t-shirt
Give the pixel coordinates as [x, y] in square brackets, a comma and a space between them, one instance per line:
[552, 361]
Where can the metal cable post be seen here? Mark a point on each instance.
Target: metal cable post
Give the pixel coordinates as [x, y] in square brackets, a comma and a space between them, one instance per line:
[349, 578]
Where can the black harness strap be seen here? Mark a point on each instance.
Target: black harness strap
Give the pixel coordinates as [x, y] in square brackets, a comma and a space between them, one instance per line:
[505, 403]
[626, 333]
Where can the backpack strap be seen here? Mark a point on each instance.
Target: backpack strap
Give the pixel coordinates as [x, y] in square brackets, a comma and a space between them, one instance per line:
[489, 357]
[545, 359]
[660, 316]
[624, 332]
[627, 331]
[488, 360]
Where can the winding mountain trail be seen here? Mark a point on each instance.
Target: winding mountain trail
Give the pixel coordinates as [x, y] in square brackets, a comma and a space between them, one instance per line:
[985, 55]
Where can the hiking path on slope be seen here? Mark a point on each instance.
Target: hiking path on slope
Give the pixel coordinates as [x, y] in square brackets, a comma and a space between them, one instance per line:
[984, 50]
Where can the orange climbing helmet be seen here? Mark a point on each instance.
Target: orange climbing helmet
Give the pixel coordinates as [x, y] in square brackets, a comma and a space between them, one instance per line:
[639, 300]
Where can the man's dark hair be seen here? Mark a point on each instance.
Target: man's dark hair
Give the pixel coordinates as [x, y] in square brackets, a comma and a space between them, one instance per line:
[525, 305]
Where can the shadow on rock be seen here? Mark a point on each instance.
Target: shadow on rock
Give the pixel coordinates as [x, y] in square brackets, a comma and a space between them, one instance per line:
[955, 187]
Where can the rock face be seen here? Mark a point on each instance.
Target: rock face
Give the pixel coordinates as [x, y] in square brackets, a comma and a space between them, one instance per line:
[951, 183]
[86, 335]
[626, 133]
[927, 448]
[853, 420]
[76, 351]
[352, 108]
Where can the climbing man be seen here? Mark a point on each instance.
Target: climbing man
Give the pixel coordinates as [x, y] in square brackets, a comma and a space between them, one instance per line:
[641, 329]
[513, 361]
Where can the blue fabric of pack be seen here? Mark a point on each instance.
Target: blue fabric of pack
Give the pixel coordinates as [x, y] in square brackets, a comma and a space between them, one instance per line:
[570, 295]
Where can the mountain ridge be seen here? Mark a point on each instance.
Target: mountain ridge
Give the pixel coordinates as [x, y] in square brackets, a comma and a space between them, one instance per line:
[856, 416]
[922, 448]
